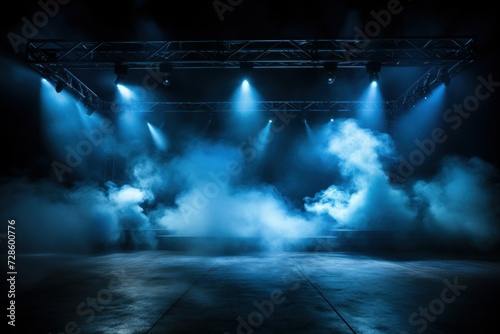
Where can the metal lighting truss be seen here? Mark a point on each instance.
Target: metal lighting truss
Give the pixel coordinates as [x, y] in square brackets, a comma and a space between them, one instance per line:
[55, 60]
[265, 106]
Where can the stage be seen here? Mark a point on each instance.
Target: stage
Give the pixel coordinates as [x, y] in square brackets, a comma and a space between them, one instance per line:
[257, 292]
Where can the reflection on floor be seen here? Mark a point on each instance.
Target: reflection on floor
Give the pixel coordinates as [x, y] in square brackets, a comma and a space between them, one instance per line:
[277, 292]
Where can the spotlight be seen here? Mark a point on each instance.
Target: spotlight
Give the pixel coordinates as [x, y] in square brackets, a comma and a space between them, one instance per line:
[330, 67]
[89, 107]
[121, 72]
[166, 77]
[373, 69]
[60, 86]
[246, 68]
[373, 77]
[331, 119]
[444, 77]
[270, 121]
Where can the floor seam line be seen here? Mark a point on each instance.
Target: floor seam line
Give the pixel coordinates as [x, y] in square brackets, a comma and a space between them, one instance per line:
[324, 297]
[180, 297]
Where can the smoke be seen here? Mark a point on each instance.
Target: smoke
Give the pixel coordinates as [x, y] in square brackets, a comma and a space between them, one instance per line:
[210, 197]
[363, 198]
[462, 201]
[211, 189]
[459, 204]
[257, 213]
[84, 218]
[199, 165]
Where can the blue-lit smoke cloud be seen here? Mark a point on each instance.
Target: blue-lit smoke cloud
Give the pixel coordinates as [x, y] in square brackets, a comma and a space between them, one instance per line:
[208, 189]
[220, 199]
[205, 193]
[86, 218]
[364, 198]
[462, 201]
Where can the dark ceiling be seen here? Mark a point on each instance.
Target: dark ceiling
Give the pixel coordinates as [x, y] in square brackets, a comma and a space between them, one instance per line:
[247, 19]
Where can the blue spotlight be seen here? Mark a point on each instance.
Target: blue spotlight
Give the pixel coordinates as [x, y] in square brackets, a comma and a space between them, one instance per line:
[368, 117]
[245, 97]
[125, 92]
[270, 121]
[423, 116]
[264, 138]
[121, 72]
[166, 80]
[309, 131]
[330, 67]
[61, 125]
[166, 70]
[373, 69]
[444, 77]
[331, 119]
[59, 96]
[159, 139]
[60, 86]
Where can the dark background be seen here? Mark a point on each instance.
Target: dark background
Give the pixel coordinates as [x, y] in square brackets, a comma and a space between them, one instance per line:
[192, 20]
[296, 172]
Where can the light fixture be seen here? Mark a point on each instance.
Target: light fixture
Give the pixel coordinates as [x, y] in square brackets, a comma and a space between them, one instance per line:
[89, 107]
[165, 79]
[246, 68]
[121, 72]
[330, 68]
[373, 70]
[444, 77]
[373, 77]
[166, 70]
[60, 86]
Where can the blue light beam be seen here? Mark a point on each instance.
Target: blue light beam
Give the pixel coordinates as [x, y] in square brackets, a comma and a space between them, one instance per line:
[368, 118]
[158, 137]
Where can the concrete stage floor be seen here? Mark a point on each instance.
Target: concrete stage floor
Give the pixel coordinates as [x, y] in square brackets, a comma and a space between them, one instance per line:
[290, 292]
